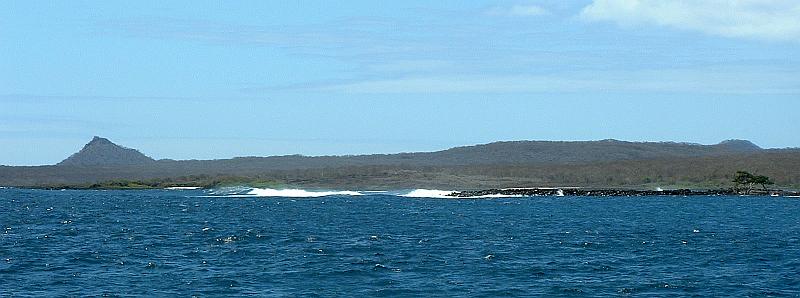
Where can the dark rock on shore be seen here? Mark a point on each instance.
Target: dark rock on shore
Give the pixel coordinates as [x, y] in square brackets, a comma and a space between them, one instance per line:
[532, 192]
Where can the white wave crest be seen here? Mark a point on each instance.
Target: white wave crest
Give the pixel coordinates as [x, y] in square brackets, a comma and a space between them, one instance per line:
[428, 193]
[495, 196]
[240, 192]
[183, 188]
[447, 194]
[297, 193]
[229, 191]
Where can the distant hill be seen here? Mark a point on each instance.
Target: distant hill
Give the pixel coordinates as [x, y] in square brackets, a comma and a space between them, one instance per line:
[527, 152]
[100, 152]
[738, 145]
[498, 153]
[506, 164]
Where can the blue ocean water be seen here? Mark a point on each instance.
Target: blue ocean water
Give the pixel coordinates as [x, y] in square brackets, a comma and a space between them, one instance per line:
[154, 243]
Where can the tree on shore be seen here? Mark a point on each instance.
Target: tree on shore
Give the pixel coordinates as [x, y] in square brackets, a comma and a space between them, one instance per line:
[749, 180]
[763, 181]
[742, 178]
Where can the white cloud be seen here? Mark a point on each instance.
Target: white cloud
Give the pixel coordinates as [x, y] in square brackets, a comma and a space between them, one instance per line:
[759, 19]
[519, 10]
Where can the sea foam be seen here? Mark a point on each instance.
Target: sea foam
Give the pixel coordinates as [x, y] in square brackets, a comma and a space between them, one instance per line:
[448, 194]
[297, 193]
[240, 192]
[183, 188]
[428, 193]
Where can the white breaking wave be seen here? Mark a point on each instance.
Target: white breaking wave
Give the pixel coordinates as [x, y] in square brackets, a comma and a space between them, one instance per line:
[495, 196]
[297, 193]
[428, 193]
[229, 191]
[183, 188]
[240, 192]
[447, 194]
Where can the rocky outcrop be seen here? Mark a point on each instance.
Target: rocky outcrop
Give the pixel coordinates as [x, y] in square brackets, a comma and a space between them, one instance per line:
[102, 152]
[581, 192]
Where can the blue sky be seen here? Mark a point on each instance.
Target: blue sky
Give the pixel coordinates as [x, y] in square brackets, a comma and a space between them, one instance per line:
[203, 79]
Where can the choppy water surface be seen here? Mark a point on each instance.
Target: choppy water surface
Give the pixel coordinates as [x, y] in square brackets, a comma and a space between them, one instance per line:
[181, 243]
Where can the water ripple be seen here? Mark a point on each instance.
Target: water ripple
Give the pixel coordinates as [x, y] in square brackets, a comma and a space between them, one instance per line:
[146, 243]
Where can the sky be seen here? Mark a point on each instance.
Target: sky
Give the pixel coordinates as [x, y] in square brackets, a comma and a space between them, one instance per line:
[214, 79]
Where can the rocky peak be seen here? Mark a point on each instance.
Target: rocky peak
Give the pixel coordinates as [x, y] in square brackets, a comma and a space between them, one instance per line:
[100, 151]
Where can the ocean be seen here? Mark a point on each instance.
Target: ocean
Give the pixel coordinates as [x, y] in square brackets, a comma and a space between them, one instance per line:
[197, 243]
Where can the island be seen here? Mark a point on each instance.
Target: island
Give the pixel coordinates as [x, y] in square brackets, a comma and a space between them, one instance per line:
[529, 168]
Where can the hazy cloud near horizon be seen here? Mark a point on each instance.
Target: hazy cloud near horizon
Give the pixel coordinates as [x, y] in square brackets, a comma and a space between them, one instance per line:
[692, 80]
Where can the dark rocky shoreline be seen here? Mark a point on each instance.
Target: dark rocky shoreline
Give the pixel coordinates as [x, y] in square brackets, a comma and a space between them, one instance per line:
[603, 192]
